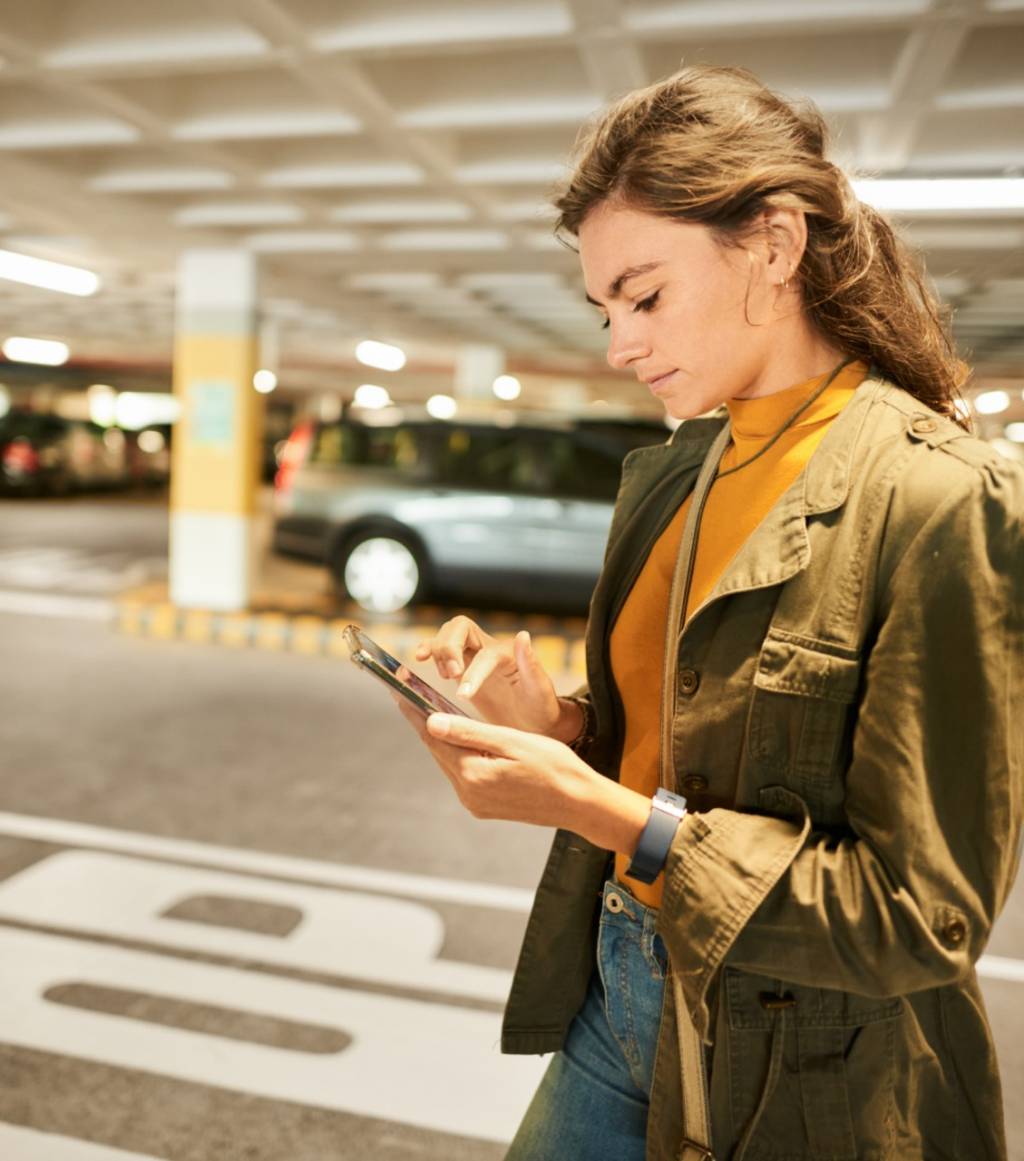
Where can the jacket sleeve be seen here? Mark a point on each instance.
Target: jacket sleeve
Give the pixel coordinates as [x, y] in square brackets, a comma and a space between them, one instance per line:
[907, 898]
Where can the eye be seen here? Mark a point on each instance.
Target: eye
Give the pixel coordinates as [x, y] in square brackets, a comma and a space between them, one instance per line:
[648, 303]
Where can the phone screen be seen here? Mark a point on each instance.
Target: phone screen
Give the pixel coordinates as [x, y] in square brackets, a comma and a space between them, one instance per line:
[367, 654]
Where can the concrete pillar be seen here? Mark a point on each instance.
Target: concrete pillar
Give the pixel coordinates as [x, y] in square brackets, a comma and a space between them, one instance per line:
[215, 459]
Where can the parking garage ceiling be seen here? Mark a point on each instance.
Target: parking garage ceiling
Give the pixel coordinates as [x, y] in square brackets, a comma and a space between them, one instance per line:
[389, 160]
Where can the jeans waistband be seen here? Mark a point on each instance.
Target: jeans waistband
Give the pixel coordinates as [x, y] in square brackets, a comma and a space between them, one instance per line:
[631, 910]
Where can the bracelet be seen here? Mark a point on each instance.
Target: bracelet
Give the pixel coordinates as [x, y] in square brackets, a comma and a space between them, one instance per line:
[586, 731]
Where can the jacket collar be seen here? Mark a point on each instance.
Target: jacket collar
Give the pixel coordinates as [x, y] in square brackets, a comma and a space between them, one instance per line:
[779, 547]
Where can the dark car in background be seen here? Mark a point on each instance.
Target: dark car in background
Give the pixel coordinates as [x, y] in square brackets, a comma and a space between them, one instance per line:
[423, 507]
[43, 454]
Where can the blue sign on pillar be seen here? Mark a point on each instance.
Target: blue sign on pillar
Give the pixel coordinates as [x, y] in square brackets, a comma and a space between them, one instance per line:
[212, 413]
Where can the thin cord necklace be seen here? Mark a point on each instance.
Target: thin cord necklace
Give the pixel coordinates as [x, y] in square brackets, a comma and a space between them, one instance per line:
[789, 422]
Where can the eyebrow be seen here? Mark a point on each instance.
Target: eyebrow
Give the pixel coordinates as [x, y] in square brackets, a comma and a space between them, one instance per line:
[630, 272]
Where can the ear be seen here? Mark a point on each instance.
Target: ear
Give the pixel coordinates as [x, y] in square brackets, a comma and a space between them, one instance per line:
[786, 234]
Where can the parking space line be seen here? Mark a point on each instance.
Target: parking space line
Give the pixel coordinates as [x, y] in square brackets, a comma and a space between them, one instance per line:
[286, 867]
[18, 1143]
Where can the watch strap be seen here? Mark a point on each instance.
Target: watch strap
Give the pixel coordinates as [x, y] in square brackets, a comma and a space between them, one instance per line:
[667, 811]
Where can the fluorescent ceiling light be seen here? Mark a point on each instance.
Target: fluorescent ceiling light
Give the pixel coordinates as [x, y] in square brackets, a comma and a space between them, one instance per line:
[383, 356]
[395, 280]
[161, 180]
[376, 212]
[507, 387]
[45, 352]
[445, 240]
[442, 407]
[240, 214]
[947, 194]
[302, 242]
[371, 396]
[991, 402]
[138, 409]
[47, 275]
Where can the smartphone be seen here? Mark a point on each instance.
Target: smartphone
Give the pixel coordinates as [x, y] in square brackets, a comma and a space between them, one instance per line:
[368, 655]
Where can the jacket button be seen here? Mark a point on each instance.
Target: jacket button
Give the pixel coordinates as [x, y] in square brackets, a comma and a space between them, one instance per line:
[924, 426]
[954, 932]
[694, 783]
[689, 679]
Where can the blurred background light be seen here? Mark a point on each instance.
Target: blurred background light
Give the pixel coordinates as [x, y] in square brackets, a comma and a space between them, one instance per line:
[442, 406]
[138, 409]
[47, 275]
[991, 402]
[947, 194]
[507, 387]
[102, 404]
[264, 381]
[371, 396]
[1014, 432]
[44, 352]
[383, 356]
[151, 441]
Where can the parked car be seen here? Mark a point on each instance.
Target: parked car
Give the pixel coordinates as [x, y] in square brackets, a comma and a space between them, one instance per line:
[35, 454]
[43, 454]
[424, 507]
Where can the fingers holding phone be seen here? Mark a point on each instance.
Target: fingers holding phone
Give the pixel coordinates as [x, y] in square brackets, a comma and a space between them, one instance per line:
[504, 680]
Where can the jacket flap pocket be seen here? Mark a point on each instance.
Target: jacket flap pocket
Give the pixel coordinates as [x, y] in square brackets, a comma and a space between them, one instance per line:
[752, 1000]
[797, 665]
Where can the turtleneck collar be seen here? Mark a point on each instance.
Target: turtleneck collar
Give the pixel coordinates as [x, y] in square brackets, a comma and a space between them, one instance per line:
[760, 418]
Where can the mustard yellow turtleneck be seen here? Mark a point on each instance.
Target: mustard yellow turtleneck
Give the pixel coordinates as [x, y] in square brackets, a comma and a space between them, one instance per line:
[735, 506]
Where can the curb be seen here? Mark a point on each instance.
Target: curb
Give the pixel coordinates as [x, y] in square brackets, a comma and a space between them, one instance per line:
[272, 625]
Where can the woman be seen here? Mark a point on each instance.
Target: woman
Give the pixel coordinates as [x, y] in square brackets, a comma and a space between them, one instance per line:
[809, 627]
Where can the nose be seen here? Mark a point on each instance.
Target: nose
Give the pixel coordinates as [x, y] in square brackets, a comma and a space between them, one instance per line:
[626, 344]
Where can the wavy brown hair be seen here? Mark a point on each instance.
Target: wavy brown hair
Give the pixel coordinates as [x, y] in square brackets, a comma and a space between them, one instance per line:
[714, 145]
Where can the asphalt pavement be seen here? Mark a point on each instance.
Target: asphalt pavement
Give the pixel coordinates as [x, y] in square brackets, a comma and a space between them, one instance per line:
[241, 915]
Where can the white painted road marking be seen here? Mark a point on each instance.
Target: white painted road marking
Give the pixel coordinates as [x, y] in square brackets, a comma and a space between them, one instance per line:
[284, 867]
[392, 1069]
[20, 1144]
[359, 936]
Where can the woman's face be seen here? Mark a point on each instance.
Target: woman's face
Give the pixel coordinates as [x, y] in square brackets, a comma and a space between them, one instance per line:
[677, 307]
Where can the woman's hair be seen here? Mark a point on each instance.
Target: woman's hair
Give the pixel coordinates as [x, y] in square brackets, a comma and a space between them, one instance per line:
[713, 145]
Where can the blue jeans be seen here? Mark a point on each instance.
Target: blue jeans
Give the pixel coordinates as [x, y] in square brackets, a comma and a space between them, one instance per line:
[591, 1104]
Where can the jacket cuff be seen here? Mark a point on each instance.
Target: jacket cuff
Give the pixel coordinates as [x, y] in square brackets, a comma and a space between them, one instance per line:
[721, 866]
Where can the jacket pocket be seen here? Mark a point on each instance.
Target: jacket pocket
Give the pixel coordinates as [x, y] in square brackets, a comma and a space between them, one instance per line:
[795, 1056]
[801, 716]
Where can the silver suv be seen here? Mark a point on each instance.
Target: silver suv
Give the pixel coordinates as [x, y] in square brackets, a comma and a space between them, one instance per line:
[460, 509]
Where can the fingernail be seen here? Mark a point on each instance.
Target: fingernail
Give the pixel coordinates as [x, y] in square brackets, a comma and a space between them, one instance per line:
[438, 724]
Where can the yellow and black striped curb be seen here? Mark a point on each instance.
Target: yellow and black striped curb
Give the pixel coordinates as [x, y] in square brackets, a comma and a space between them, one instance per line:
[558, 642]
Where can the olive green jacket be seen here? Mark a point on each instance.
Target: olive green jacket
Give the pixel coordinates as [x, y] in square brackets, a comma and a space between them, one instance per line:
[849, 738]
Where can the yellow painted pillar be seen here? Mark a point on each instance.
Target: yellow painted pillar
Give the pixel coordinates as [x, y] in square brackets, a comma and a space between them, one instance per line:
[215, 456]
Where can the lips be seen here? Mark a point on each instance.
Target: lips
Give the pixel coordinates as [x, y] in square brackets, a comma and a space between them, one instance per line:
[659, 381]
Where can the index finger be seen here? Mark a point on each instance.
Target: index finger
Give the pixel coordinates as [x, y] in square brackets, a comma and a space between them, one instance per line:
[452, 643]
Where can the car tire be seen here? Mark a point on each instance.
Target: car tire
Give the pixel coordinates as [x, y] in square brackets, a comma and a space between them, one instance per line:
[381, 570]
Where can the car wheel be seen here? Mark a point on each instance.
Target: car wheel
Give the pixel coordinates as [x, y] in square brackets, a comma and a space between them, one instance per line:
[380, 571]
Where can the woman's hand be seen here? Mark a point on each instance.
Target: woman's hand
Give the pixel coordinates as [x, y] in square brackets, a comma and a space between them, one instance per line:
[503, 680]
[498, 772]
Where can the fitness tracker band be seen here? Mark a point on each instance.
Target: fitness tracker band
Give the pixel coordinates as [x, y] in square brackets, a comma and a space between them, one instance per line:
[667, 811]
